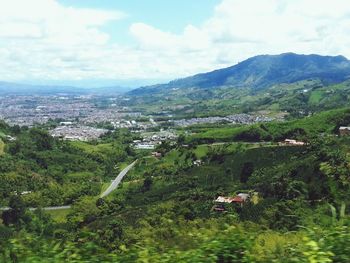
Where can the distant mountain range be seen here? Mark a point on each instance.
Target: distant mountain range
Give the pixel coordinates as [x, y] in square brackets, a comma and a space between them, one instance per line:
[8, 88]
[255, 74]
[263, 71]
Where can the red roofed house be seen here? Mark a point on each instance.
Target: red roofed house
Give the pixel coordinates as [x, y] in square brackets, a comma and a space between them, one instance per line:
[238, 199]
[241, 198]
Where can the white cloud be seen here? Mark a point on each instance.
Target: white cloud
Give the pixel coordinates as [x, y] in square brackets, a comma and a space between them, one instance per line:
[251, 27]
[41, 39]
[46, 40]
[239, 29]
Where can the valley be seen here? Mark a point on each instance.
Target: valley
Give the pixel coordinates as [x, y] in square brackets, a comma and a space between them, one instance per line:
[234, 171]
[211, 131]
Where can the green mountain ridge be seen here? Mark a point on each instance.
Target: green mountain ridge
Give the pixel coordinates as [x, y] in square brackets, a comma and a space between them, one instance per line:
[262, 71]
[291, 83]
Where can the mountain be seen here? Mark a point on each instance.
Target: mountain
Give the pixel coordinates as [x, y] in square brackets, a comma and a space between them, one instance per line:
[110, 90]
[9, 88]
[263, 71]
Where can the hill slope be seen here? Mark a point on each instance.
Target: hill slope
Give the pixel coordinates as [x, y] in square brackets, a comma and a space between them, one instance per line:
[263, 71]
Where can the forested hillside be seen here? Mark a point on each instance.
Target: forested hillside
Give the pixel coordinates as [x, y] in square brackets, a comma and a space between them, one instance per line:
[53, 172]
[263, 71]
[286, 83]
[165, 210]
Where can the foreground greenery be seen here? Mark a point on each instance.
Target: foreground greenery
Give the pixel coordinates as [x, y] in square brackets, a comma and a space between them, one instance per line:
[54, 172]
[163, 210]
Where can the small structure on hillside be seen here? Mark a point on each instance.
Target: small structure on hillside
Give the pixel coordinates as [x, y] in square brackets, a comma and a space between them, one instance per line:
[223, 199]
[66, 123]
[157, 154]
[344, 131]
[10, 138]
[220, 201]
[144, 146]
[244, 197]
[197, 163]
[292, 142]
[23, 193]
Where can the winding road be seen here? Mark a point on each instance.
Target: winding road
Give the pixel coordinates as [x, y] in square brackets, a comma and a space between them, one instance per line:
[117, 180]
[109, 190]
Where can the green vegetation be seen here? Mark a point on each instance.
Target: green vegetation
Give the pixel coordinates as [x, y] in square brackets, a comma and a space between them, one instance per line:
[102, 148]
[325, 122]
[59, 216]
[163, 210]
[2, 147]
[278, 84]
[295, 99]
[53, 172]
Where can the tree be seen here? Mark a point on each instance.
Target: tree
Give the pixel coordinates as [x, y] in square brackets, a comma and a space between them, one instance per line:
[16, 213]
[147, 183]
[112, 235]
[181, 140]
[247, 170]
[42, 139]
[84, 211]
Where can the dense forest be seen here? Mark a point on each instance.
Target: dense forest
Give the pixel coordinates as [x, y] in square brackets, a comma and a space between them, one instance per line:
[164, 211]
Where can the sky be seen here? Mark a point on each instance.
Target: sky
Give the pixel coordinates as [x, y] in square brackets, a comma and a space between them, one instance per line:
[140, 42]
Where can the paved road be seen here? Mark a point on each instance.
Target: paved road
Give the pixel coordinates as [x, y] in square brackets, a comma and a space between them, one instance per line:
[43, 208]
[110, 189]
[117, 180]
[53, 208]
[223, 143]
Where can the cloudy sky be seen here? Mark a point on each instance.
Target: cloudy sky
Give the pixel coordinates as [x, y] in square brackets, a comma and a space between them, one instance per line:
[100, 42]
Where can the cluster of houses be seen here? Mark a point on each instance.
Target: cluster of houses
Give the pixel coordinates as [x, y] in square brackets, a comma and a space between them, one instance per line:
[234, 119]
[77, 133]
[151, 140]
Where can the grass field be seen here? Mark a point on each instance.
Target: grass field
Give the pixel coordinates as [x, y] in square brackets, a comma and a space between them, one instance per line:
[316, 97]
[2, 146]
[89, 148]
[201, 151]
[60, 216]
